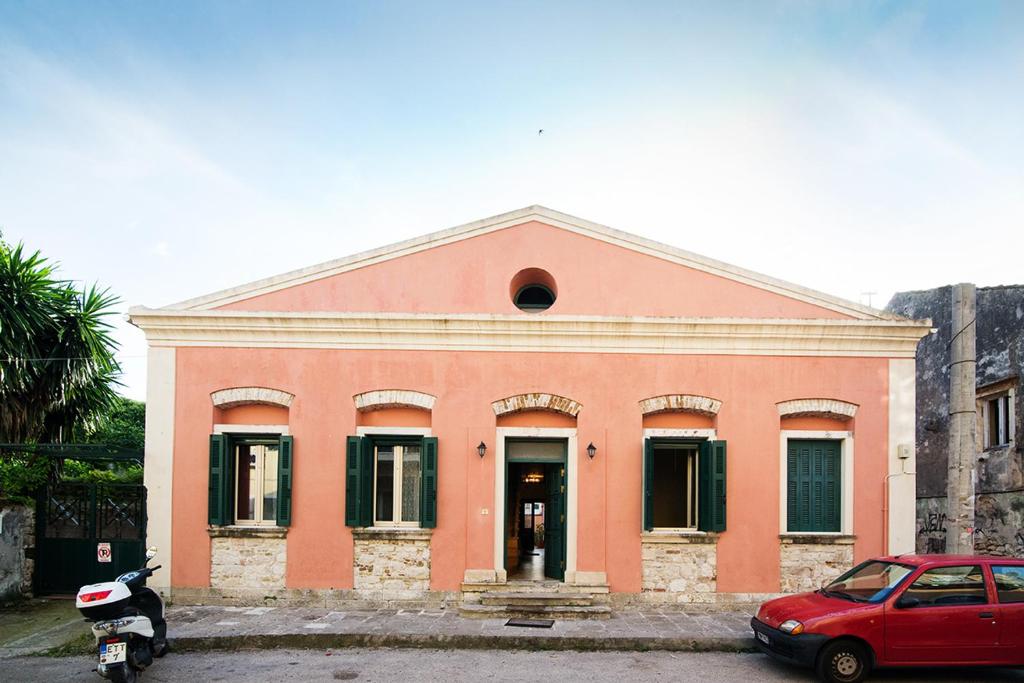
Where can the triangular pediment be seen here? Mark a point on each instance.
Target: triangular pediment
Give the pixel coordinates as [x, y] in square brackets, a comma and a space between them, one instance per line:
[656, 279]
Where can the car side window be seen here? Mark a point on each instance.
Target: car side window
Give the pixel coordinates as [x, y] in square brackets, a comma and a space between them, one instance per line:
[945, 586]
[1009, 582]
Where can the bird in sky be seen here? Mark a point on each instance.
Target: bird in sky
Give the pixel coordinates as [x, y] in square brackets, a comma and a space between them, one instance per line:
[540, 131]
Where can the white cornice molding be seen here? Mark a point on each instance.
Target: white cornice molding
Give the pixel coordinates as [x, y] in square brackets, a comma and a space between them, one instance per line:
[521, 332]
[512, 218]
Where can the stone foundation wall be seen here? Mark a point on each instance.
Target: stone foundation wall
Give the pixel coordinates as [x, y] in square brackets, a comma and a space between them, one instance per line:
[392, 564]
[679, 568]
[17, 546]
[808, 562]
[248, 559]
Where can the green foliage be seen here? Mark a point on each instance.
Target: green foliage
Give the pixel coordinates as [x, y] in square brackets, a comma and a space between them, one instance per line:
[21, 476]
[57, 364]
[92, 473]
[122, 425]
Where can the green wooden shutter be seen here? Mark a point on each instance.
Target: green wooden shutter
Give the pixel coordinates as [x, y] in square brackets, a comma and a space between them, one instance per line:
[353, 483]
[428, 483]
[704, 478]
[792, 487]
[711, 486]
[814, 481]
[366, 482]
[285, 464]
[648, 484]
[218, 486]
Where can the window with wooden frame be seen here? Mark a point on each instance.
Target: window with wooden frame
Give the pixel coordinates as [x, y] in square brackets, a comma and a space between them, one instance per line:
[684, 485]
[995, 420]
[391, 481]
[250, 480]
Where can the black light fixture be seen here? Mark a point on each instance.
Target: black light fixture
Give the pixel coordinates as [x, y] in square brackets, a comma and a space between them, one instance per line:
[481, 449]
[591, 450]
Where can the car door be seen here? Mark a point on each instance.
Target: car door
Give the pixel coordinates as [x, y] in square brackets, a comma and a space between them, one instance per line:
[944, 615]
[1009, 586]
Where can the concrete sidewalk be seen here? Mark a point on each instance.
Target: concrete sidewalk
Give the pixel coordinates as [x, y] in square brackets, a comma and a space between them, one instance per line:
[218, 628]
[42, 626]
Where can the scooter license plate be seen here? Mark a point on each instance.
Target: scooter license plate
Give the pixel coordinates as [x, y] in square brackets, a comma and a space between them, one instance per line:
[113, 653]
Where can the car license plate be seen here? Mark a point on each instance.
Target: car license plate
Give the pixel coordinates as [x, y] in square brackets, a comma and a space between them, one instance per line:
[763, 638]
[113, 653]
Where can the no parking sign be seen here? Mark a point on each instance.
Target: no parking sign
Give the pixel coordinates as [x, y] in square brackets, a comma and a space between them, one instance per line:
[103, 552]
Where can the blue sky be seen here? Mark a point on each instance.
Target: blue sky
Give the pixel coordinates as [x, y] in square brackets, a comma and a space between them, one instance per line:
[170, 149]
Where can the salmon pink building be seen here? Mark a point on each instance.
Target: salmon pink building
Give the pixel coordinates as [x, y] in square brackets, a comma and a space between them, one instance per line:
[530, 399]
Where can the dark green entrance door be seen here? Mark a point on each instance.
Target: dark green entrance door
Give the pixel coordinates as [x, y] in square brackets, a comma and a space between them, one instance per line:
[554, 521]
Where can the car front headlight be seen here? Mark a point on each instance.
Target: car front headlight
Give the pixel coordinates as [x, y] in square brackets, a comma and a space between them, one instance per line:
[792, 627]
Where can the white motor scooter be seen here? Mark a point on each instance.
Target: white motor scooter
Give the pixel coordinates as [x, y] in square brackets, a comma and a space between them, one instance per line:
[128, 623]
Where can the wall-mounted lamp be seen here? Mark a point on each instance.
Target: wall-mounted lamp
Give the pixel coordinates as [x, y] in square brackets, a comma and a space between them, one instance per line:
[591, 450]
[482, 449]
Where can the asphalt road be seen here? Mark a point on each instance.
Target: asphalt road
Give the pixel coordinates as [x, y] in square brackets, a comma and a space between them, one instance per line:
[463, 665]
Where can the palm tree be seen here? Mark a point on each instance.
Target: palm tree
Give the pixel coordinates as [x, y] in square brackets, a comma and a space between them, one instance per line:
[57, 364]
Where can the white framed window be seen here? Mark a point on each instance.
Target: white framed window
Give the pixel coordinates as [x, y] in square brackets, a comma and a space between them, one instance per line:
[845, 475]
[397, 483]
[255, 485]
[996, 420]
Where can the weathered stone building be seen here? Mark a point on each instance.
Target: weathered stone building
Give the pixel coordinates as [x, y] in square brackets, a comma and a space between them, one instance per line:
[999, 483]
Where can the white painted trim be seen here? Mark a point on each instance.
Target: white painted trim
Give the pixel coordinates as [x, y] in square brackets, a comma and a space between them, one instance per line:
[510, 219]
[902, 480]
[158, 474]
[487, 332]
[394, 431]
[572, 483]
[846, 456]
[709, 434]
[250, 429]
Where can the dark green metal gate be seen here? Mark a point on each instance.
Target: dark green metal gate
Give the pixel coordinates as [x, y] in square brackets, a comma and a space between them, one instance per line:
[73, 519]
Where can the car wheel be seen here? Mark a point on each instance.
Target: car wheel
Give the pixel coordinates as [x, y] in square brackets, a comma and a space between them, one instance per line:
[843, 661]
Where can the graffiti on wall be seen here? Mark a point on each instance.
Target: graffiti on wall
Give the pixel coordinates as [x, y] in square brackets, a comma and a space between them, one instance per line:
[998, 530]
[931, 525]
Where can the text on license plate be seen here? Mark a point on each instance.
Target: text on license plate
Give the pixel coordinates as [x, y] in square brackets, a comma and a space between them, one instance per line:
[762, 637]
[112, 653]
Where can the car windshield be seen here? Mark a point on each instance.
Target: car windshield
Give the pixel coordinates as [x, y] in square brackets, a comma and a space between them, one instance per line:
[871, 581]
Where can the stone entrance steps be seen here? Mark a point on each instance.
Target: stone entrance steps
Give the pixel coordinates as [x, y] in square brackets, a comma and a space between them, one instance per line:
[535, 600]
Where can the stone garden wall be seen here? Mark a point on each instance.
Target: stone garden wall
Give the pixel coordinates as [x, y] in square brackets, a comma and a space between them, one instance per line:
[17, 546]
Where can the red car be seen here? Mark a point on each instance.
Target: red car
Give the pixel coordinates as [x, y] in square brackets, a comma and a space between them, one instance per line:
[908, 610]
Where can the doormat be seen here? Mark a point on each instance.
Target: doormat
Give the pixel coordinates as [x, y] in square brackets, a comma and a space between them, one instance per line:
[531, 623]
